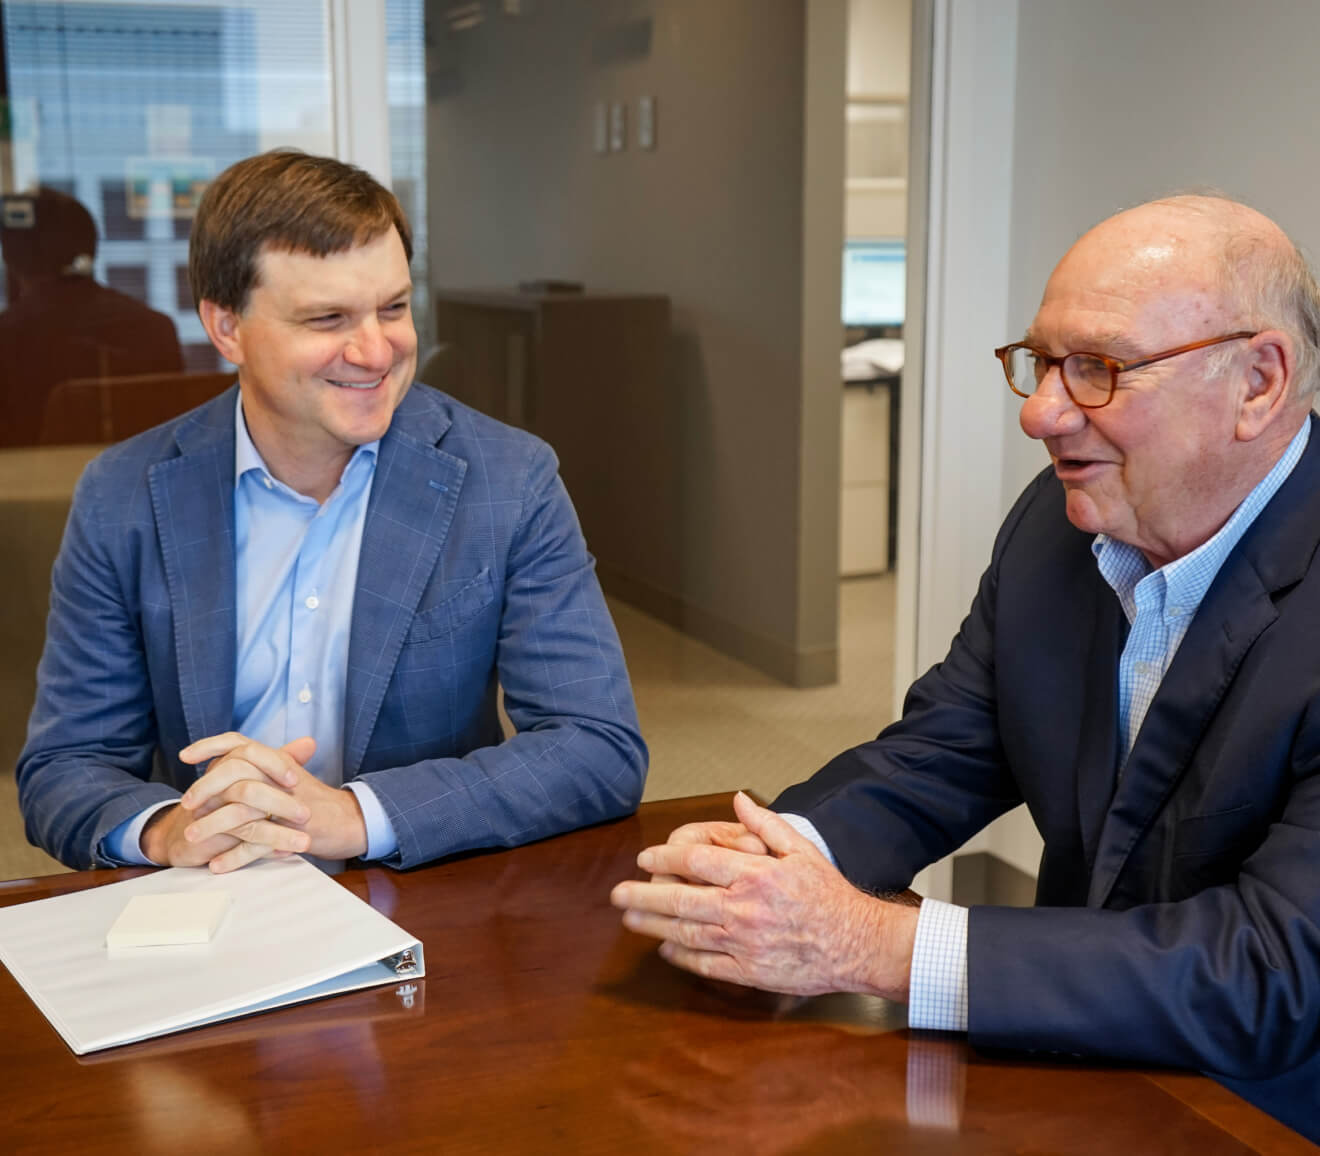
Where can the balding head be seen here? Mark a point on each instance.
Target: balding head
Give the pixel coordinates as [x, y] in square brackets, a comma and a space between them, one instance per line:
[1251, 273]
[1211, 316]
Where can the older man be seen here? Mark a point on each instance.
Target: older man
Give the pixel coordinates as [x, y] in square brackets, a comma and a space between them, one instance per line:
[1141, 667]
[294, 604]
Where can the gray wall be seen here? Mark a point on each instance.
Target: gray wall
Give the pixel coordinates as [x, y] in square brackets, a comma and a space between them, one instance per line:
[1114, 102]
[1128, 99]
[714, 218]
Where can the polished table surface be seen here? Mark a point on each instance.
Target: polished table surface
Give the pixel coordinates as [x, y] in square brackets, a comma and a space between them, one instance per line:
[543, 1026]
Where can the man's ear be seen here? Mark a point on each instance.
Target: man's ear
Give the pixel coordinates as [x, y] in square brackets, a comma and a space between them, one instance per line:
[222, 326]
[1269, 383]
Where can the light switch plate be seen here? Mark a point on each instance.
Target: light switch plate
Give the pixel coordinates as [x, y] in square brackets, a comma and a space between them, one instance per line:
[646, 122]
[618, 126]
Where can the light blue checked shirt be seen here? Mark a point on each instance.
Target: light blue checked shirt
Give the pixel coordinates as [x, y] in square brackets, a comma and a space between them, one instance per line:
[1159, 605]
[295, 575]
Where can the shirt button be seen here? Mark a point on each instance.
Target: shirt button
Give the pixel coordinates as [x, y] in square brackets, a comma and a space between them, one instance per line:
[265, 480]
[312, 602]
[305, 695]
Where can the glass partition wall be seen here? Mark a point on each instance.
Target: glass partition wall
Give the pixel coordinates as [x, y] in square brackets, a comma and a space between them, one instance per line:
[116, 115]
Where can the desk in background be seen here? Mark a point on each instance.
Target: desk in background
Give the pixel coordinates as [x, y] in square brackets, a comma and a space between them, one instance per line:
[543, 1026]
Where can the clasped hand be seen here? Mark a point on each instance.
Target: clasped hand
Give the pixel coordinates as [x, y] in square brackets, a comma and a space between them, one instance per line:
[254, 802]
[756, 903]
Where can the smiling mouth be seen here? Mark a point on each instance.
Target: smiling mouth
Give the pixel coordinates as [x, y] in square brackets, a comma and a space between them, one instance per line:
[375, 381]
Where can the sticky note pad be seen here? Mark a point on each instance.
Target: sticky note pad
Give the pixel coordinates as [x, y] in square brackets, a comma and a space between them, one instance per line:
[169, 919]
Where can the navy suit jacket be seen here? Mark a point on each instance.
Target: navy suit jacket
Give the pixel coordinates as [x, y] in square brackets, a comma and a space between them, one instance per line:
[472, 571]
[1178, 906]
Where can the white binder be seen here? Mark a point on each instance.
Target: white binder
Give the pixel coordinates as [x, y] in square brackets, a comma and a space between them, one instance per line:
[291, 934]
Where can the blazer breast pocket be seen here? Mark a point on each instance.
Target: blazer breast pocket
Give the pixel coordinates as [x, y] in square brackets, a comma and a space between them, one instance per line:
[1218, 833]
[439, 622]
[1208, 850]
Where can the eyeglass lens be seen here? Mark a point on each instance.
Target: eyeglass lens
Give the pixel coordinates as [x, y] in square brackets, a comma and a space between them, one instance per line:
[1088, 378]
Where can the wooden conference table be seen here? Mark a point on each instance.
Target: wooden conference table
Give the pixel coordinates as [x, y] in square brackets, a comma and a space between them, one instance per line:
[543, 1026]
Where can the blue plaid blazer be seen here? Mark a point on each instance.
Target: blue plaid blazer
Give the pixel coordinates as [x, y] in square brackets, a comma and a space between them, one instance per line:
[473, 572]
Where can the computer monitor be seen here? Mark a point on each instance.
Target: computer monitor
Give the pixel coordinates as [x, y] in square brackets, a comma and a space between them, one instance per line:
[874, 283]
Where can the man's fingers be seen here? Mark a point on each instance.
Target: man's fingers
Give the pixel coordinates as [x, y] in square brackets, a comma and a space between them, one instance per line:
[230, 785]
[709, 964]
[772, 829]
[215, 746]
[240, 821]
[682, 900]
[301, 749]
[250, 760]
[239, 856]
[212, 747]
[688, 933]
[720, 833]
[749, 844]
[274, 836]
[700, 862]
[269, 800]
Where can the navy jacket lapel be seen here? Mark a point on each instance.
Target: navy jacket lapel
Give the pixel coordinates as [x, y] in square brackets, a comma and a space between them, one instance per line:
[1273, 554]
[413, 498]
[192, 497]
[1098, 747]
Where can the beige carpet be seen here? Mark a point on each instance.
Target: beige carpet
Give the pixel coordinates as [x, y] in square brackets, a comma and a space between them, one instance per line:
[18, 858]
[712, 723]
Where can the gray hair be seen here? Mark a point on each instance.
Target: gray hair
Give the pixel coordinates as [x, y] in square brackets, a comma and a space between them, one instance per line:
[1273, 288]
[1265, 279]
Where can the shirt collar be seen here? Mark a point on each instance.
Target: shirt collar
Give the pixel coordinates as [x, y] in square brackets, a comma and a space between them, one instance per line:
[1188, 578]
[247, 457]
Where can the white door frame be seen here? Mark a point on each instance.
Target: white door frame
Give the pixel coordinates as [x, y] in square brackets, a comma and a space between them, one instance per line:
[358, 85]
[954, 407]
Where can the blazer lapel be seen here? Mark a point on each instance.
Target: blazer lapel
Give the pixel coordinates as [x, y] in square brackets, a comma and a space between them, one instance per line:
[192, 497]
[1097, 757]
[413, 498]
[1229, 621]
[1273, 554]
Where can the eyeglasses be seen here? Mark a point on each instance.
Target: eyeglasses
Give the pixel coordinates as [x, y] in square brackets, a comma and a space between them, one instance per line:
[1089, 378]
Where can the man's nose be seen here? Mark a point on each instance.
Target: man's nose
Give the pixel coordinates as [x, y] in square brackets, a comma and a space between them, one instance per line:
[1050, 411]
[368, 346]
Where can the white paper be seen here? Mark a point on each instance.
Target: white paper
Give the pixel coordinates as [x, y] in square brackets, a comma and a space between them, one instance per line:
[291, 934]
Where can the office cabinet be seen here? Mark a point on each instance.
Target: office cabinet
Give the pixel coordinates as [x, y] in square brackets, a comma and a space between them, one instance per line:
[866, 498]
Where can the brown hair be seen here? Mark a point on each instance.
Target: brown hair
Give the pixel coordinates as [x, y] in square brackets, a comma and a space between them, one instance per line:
[286, 200]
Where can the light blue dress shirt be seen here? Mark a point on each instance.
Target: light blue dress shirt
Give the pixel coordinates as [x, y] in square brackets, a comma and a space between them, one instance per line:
[1159, 605]
[295, 575]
